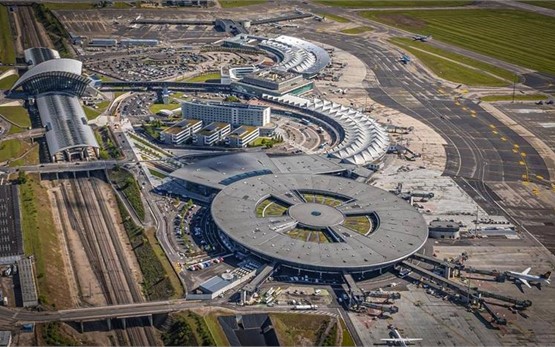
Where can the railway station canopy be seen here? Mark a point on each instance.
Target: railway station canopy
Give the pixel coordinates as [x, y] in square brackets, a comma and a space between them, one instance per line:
[54, 75]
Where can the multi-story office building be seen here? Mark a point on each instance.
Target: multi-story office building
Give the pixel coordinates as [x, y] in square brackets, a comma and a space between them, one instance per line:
[212, 133]
[242, 136]
[180, 132]
[233, 113]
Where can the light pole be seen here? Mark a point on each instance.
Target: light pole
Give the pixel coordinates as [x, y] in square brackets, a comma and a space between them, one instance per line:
[514, 87]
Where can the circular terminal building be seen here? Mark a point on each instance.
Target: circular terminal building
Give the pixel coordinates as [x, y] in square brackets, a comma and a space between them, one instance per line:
[318, 223]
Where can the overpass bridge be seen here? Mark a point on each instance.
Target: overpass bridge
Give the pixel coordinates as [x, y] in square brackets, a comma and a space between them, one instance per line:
[124, 311]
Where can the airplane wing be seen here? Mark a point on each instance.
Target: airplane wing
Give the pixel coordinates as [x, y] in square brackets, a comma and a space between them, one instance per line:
[525, 272]
[401, 340]
[525, 282]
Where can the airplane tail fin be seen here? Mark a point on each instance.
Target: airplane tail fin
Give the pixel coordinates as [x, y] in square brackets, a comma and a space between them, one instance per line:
[546, 275]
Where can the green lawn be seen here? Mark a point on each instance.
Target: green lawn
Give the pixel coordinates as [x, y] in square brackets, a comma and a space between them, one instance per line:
[270, 207]
[239, 3]
[215, 329]
[293, 329]
[40, 238]
[7, 48]
[334, 17]
[360, 224]
[347, 338]
[450, 66]
[392, 3]
[11, 149]
[157, 173]
[31, 158]
[519, 37]
[205, 77]
[155, 108]
[17, 115]
[92, 113]
[8, 81]
[518, 97]
[356, 30]
[546, 3]
[69, 5]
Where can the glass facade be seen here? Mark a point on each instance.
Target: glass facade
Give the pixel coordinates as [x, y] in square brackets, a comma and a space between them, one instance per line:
[60, 81]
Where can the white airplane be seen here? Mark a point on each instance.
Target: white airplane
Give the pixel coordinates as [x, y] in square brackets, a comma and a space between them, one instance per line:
[524, 277]
[397, 340]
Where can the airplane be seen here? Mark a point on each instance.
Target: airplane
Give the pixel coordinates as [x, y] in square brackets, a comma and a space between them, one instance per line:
[138, 17]
[422, 38]
[524, 277]
[396, 338]
[405, 59]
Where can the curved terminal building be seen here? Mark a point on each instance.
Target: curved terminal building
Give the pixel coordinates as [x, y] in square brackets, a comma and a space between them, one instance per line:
[318, 223]
[363, 140]
[53, 75]
[292, 54]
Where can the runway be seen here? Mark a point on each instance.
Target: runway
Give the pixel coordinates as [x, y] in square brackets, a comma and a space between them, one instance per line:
[485, 158]
[478, 145]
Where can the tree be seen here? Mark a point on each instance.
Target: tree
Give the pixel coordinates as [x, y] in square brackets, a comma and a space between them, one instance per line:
[21, 177]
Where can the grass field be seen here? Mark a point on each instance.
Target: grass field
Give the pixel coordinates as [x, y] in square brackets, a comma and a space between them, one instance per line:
[392, 3]
[92, 113]
[155, 108]
[30, 158]
[157, 173]
[239, 3]
[205, 77]
[546, 3]
[40, 238]
[178, 291]
[334, 17]
[455, 67]
[269, 207]
[298, 329]
[360, 224]
[7, 48]
[519, 37]
[8, 81]
[17, 115]
[69, 5]
[215, 329]
[10, 149]
[188, 329]
[356, 30]
[347, 338]
[518, 97]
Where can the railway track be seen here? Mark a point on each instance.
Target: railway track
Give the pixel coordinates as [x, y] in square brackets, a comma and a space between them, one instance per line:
[30, 28]
[89, 216]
